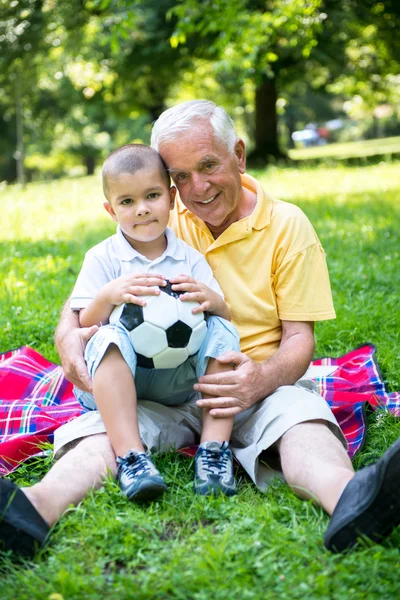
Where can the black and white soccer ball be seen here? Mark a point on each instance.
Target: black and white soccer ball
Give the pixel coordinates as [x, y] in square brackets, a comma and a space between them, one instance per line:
[165, 332]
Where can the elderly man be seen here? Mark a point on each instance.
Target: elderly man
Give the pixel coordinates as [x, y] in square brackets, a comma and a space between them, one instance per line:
[271, 267]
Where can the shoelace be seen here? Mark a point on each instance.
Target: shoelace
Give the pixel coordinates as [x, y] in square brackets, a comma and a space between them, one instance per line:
[214, 461]
[137, 465]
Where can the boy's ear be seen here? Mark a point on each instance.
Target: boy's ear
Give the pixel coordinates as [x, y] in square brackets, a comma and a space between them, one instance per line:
[172, 194]
[110, 210]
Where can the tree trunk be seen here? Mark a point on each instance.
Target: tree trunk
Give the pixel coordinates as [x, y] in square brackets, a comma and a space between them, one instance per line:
[19, 114]
[266, 125]
[90, 163]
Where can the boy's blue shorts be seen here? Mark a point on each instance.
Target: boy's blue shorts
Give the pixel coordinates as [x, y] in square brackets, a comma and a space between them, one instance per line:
[166, 386]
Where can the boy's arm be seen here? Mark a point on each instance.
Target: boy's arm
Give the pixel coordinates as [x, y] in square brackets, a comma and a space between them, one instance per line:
[220, 309]
[98, 310]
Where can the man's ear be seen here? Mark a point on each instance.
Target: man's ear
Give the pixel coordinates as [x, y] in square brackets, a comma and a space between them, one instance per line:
[172, 194]
[110, 210]
[240, 153]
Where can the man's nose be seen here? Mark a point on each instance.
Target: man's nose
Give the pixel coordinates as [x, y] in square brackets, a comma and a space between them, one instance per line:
[200, 184]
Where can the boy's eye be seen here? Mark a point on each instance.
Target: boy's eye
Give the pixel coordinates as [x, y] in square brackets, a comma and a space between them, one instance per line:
[153, 195]
[127, 201]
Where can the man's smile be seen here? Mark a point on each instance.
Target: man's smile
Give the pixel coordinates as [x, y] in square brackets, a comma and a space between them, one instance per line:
[209, 199]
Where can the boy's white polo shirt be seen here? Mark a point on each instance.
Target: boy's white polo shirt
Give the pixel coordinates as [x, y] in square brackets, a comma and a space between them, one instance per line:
[115, 257]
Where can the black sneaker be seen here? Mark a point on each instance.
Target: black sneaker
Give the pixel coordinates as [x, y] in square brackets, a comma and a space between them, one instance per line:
[213, 465]
[138, 477]
[22, 528]
[369, 506]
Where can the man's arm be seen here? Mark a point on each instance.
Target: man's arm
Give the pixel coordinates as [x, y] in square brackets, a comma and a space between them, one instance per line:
[249, 382]
[70, 340]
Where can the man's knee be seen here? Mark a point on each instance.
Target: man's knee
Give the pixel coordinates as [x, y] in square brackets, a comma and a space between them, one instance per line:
[97, 448]
[307, 430]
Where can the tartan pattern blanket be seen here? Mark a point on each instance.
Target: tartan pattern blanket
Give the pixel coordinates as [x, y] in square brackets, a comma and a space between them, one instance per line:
[35, 399]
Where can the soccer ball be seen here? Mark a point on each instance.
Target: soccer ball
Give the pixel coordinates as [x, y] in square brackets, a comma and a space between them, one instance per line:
[165, 332]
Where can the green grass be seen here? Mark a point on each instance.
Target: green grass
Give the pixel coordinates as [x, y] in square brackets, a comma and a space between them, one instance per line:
[349, 150]
[182, 547]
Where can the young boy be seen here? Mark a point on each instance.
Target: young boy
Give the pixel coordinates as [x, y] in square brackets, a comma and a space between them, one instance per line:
[133, 263]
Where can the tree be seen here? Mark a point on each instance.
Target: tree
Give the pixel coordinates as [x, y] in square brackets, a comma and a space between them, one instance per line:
[266, 42]
[90, 68]
[276, 43]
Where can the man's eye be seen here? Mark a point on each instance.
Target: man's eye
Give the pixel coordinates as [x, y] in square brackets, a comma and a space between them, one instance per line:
[181, 177]
[209, 166]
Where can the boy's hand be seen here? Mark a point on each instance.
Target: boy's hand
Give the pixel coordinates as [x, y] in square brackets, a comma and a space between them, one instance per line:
[129, 288]
[196, 291]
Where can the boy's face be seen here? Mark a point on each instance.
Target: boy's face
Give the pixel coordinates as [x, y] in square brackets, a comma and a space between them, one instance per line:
[140, 203]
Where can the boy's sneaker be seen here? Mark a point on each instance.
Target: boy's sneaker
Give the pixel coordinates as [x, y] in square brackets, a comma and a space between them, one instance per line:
[138, 477]
[213, 466]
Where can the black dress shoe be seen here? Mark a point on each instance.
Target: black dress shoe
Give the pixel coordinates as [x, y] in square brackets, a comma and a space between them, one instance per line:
[369, 506]
[22, 529]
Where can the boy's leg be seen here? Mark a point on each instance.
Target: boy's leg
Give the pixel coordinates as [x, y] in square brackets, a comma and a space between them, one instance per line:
[214, 460]
[115, 395]
[218, 430]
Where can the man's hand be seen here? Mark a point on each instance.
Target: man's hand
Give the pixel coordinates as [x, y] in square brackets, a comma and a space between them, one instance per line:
[71, 348]
[235, 390]
[250, 382]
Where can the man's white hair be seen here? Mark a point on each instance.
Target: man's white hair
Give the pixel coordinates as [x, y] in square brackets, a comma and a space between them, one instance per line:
[172, 122]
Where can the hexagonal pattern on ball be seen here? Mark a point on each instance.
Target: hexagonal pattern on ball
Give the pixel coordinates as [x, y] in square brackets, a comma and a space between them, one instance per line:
[197, 338]
[161, 310]
[116, 313]
[170, 358]
[147, 339]
[185, 313]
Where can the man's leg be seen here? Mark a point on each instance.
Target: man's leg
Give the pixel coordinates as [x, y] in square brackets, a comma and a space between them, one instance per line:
[362, 504]
[71, 477]
[26, 515]
[315, 463]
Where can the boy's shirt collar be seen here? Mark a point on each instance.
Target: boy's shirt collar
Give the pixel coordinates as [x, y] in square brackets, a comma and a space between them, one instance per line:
[125, 252]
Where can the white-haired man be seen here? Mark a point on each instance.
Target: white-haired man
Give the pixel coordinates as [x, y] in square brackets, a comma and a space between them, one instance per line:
[271, 267]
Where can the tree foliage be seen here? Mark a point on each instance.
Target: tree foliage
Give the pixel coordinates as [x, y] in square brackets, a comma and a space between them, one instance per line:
[78, 77]
[276, 43]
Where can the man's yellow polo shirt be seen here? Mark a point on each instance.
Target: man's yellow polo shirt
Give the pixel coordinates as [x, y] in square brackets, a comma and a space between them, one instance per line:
[270, 265]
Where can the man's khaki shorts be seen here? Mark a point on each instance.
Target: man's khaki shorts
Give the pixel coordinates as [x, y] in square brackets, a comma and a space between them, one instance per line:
[166, 428]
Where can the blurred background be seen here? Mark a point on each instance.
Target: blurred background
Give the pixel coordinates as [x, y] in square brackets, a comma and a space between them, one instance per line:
[303, 80]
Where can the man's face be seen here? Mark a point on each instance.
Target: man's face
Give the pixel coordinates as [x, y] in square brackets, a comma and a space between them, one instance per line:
[206, 174]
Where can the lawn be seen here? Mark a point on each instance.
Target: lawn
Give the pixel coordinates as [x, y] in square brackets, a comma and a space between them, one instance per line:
[363, 150]
[253, 545]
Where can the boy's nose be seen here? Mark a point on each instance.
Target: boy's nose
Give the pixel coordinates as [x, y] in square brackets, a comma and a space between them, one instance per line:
[143, 209]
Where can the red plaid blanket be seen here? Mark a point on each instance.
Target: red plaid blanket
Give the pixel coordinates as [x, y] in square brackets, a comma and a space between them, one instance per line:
[35, 399]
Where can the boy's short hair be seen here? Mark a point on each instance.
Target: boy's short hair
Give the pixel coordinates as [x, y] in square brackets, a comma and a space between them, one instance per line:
[129, 159]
